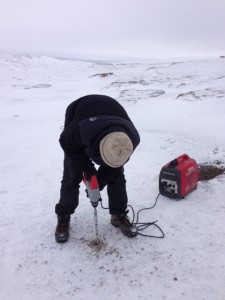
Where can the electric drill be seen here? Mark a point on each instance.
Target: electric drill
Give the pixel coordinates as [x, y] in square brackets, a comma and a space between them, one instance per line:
[92, 190]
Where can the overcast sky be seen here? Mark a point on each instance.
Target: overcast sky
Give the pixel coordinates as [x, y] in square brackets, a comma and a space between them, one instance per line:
[113, 28]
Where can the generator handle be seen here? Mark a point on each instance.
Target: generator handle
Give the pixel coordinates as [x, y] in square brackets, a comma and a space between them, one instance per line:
[174, 163]
[182, 157]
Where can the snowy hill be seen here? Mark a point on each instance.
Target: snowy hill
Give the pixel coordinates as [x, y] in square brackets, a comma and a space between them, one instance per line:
[178, 107]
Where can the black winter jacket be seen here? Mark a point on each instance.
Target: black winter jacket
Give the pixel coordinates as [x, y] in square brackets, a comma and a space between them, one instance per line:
[87, 121]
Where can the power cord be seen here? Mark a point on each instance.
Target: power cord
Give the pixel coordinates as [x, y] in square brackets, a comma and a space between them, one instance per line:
[142, 226]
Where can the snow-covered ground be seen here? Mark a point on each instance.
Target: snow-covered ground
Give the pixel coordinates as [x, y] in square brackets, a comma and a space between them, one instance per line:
[178, 107]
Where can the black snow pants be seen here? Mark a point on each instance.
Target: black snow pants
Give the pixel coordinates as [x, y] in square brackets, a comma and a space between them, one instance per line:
[72, 176]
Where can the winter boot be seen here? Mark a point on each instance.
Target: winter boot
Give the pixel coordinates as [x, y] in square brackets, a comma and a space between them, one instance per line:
[122, 221]
[62, 229]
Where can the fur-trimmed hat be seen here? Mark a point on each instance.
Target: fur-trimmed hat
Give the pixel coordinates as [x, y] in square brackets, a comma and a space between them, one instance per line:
[115, 149]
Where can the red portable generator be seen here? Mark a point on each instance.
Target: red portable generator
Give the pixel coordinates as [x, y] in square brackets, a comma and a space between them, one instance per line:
[178, 177]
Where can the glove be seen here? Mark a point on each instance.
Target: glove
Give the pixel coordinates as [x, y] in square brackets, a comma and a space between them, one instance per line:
[101, 184]
[89, 173]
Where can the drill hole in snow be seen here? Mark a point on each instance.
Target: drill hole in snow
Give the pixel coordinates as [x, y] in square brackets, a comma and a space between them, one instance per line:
[96, 245]
[208, 172]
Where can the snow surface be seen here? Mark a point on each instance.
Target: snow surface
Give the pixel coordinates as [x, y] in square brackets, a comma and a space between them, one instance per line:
[178, 107]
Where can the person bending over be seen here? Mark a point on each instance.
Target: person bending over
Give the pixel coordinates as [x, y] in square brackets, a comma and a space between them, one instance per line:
[97, 131]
